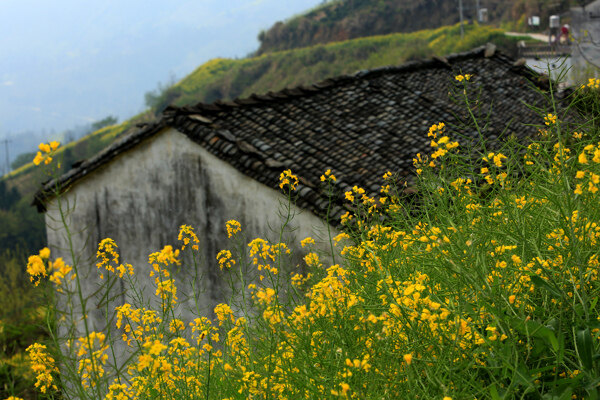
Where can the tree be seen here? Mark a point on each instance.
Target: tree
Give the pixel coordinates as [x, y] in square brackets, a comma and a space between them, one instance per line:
[8, 197]
[21, 160]
[108, 121]
[163, 95]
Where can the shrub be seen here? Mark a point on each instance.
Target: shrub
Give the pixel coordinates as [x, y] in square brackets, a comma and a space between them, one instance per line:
[486, 287]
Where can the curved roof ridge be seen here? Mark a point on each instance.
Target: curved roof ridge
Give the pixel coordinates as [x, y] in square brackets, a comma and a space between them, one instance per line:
[304, 90]
[226, 128]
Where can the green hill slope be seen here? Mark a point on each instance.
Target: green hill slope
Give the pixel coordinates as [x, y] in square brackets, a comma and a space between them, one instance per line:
[348, 19]
[228, 79]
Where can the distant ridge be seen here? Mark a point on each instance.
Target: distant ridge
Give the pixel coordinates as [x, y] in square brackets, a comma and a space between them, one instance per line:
[349, 19]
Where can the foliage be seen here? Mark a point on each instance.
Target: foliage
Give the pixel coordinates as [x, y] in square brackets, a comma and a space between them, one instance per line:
[21, 159]
[22, 227]
[228, 79]
[104, 122]
[162, 96]
[22, 322]
[350, 19]
[27, 176]
[8, 196]
[485, 286]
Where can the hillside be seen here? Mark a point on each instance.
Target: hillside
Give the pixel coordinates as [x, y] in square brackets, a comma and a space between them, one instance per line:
[228, 79]
[348, 19]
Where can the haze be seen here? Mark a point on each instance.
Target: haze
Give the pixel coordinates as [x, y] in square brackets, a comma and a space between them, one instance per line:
[71, 62]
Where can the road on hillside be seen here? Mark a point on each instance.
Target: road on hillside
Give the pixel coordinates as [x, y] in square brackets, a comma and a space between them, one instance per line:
[537, 36]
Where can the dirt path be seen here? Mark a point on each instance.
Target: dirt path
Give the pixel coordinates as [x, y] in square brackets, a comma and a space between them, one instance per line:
[537, 36]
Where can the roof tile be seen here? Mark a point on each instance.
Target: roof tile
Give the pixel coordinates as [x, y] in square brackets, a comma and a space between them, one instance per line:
[360, 126]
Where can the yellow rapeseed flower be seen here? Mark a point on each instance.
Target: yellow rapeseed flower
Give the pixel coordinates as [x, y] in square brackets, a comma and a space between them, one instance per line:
[43, 366]
[35, 269]
[328, 176]
[225, 260]
[45, 253]
[233, 227]
[187, 235]
[37, 160]
[223, 313]
[550, 119]
[48, 149]
[307, 241]
[408, 358]
[288, 179]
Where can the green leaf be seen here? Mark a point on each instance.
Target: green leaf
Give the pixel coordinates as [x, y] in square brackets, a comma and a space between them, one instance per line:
[541, 282]
[593, 324]
[558, 395]
[585, 348]
[536, 329]
[494, 393]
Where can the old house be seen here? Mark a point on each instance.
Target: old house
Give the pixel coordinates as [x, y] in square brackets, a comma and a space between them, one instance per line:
[205, 164]
[585, 48]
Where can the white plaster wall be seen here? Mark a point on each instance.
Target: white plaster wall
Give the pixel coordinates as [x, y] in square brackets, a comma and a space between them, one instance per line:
[585, 51]
[142, 197]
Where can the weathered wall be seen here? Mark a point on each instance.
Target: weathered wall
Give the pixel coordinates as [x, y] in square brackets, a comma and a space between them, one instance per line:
[142, 197]
[585, 27]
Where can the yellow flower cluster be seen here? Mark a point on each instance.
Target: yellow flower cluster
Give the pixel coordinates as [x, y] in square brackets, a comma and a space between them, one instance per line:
[590, 170]
[225, 260]
[91, 352]
[434, 131]
[166, 290]
[495, 158]
[550, 119]
[109, 259]
[442, 146]
[187, 235]
[265, 255]
[36, 269]
[39, 266]
[356, 191]
[328, 176]
[593, 83]
[464, 77]
[43, 366]
[48, 149]
[60, 271]
[439, 141]
[287, 179]
[307, 241]
[233, 227]
[166, 256]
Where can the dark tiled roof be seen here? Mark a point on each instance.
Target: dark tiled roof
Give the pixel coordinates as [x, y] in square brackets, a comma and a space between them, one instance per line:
[359, 126]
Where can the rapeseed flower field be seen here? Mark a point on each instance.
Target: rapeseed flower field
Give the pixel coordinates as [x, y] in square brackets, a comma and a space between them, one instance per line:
[484, 285]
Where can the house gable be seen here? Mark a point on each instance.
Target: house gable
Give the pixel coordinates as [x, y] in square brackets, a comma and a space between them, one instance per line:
[359, 126]
[142, 197]
[206, 164]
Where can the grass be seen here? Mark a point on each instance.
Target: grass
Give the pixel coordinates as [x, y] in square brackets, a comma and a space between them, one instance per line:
[228, 79]
[484, 286]
[22, 323]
